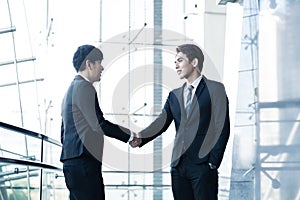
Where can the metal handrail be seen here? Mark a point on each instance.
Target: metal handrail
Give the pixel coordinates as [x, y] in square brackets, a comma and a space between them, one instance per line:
[29, 163]
[29, 133]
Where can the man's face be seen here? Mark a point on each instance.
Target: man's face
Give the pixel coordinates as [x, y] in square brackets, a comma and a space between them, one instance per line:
[97, 69]
[183, 66]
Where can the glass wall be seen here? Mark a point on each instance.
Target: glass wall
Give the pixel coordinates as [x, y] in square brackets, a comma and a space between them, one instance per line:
[279, 105]
[27, 169]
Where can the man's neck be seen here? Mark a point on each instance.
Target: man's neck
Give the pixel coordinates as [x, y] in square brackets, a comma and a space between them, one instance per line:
[83, 75]
[192, 78]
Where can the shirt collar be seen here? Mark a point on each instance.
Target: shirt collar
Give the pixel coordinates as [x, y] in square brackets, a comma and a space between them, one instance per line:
[85, 78]
[196, 82]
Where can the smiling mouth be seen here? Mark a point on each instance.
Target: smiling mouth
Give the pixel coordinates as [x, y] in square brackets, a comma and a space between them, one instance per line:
[179, 71]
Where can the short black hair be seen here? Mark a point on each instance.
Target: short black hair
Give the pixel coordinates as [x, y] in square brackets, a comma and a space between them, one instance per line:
[86, 52]
[192, 51]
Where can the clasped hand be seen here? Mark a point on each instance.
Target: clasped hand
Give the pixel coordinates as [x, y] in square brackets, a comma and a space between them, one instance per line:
[137, 140]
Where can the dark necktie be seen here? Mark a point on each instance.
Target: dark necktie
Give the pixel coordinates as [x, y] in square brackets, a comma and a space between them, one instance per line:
[189, 100]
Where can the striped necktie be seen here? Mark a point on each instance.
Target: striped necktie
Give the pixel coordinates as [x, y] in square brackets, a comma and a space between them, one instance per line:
[189, 100]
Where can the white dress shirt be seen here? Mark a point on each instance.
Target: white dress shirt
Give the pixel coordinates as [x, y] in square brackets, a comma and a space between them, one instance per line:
[186, 90]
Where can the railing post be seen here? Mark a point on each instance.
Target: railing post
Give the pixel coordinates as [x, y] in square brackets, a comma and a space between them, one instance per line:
[42, 160]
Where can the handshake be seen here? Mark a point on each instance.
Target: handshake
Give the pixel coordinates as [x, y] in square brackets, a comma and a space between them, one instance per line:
[136, 141]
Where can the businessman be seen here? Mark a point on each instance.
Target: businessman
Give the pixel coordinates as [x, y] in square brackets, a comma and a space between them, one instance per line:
[200, 112]
[83, 128]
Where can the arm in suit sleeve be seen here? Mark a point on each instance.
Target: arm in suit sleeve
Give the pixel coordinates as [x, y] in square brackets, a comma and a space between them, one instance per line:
[159, 125]
[62, 132]
[89, 106]
[220, 117]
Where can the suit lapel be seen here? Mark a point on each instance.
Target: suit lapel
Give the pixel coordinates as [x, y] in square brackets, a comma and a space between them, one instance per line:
[182, 105]
[198, 92]
[180, 97]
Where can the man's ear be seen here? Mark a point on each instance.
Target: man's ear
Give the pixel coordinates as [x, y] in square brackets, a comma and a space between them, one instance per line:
[88, 64]
[195, 62]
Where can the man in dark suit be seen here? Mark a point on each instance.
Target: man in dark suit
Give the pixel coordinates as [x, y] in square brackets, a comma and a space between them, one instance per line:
[200, 112]
[83, 127]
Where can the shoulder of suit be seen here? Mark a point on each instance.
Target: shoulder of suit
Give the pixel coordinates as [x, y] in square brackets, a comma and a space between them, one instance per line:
[213, 82]
[85, 87]
[178, 90]
[82, 82]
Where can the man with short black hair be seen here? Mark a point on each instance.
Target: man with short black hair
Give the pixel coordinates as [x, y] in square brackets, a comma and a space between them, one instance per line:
[83, 128]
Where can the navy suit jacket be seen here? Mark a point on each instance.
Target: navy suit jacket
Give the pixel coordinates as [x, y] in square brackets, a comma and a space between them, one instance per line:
[204, 133]
[83, 124]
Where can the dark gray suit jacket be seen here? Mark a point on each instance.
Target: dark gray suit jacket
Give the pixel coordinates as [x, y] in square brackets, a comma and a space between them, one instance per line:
[202, 135]
[83, 124]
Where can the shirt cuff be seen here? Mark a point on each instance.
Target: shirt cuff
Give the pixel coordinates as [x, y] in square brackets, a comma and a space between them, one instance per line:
[131, 136]
[212, 166]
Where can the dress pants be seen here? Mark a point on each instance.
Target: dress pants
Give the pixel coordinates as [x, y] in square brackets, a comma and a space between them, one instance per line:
[83, 178]
[194, 181]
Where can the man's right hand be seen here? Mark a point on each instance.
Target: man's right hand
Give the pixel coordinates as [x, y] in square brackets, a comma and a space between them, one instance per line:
[137, 140]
